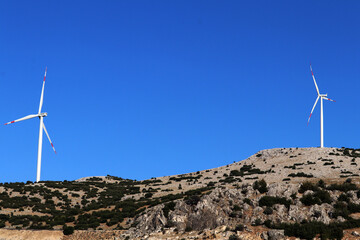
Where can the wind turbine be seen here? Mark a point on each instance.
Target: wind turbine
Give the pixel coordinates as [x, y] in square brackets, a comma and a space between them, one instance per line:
[40, 115]
[321, 96]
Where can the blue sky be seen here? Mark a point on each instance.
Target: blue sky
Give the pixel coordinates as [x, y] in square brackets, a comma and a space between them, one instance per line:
[141, 89]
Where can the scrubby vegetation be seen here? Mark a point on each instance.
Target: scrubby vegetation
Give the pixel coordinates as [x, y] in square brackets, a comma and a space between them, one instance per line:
[300, 174]
[350, 152]
[83, 204]
[308, 230]
[261, 186]
[269, 201]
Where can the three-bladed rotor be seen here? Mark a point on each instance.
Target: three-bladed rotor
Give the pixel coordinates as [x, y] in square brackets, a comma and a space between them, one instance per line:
[40, 115]
[321, 97]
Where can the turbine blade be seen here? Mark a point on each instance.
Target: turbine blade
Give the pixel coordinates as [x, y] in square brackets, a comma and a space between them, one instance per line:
[317, 89]
[329, 99]
[52, 145]
[24, 118]
[42, 92]
[317, 99]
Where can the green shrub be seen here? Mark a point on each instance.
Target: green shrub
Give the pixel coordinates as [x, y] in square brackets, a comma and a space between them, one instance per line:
[308, 186]
[211, 184]
[236, 173]
[257, 222]
[68, 230]
[239, 227]
[261, 186]
[237, 208]
[229, 180]
[319, 197]
[148, 195]
[248, 201]
[321, 183]
[341, 210]
[309, 230]
[353, 208]
[234, 237]
[345, 187]
[192, 200]
[188, 229]
[269, 201]
[343, 197]
[268, 211]
[167, 207]
[309, 200]
[300, 174]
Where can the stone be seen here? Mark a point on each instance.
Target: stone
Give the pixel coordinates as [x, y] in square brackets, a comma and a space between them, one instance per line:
[264, 235]
[296, 214]
[321, 213]
[276, 235]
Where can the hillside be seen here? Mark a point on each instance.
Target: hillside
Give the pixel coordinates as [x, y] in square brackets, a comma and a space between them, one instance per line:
[294, 191]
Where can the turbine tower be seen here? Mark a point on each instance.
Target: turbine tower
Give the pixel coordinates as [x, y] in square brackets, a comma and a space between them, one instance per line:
[40, 115]
[321, 96]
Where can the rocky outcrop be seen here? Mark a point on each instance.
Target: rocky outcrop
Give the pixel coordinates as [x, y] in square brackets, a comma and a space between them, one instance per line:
[233, 206]
[276, 235]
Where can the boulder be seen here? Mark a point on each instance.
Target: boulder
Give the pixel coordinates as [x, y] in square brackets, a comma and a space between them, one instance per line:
[276, 235]
[321, 213]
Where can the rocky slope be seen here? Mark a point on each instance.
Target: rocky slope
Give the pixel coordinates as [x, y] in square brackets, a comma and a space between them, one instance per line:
[274, 194]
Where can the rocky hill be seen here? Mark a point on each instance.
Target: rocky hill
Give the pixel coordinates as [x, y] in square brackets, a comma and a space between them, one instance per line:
[274, 194]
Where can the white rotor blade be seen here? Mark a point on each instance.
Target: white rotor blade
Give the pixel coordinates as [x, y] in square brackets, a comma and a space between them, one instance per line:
[24, 118]
[317, 89]
[42, 92]
[317, 99]
[329, 99]
[52, 145]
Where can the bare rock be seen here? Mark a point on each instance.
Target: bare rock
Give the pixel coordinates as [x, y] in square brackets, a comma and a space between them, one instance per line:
[152, 220]
[296, 213]
[276, 235]
[281, 210]
[321, 213]
[340, 219]
[264, 235]
[246, 206]
[281, 190]
[257, 210]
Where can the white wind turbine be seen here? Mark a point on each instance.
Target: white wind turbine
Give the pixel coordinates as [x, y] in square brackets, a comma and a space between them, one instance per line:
[321, 96]
[40, 115]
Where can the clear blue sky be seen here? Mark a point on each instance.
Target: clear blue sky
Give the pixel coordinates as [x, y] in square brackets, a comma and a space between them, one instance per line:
[141, 89]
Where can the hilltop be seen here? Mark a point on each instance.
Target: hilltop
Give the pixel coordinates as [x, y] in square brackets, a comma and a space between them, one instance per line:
[262, 197]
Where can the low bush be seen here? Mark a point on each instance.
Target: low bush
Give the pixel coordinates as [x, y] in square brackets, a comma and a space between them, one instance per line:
[268, 211]
[167, 207]
[68, 230]
[300, 174]
[239, 227]
[261, 186]
[308, 186]
[234, 237]
[269, 201]
[318, 197]
[192, 200]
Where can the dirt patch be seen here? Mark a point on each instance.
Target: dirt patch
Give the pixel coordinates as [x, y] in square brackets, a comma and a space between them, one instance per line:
[30, 235]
